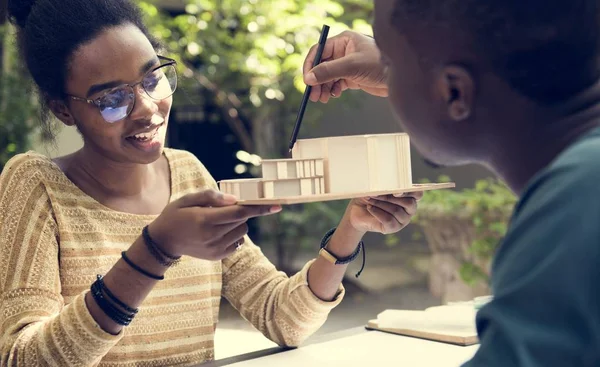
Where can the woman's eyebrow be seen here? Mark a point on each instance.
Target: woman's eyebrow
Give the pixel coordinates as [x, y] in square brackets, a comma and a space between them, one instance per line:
[100, 87]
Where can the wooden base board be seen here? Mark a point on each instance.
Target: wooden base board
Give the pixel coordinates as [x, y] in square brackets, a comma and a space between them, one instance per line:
[330, 197]
[462, 340]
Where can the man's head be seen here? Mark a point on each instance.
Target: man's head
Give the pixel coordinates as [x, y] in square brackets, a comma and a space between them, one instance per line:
[463, 71]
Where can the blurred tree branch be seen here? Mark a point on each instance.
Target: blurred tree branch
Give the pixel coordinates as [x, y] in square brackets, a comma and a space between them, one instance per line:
[231, 106]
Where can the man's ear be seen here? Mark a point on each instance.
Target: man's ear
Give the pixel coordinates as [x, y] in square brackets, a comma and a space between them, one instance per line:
[457, 88]
[62, 112]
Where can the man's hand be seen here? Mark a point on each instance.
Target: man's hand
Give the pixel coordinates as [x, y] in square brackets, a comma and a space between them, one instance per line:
[350, 61]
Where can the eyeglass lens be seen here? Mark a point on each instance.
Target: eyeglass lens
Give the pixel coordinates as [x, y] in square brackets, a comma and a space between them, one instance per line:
[118, 103]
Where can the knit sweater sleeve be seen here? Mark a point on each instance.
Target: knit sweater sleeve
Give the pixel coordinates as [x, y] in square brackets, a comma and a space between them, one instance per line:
[282, 308]
[36, 328]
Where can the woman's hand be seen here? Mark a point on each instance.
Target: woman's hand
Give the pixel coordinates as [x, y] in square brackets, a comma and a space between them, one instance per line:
[383, 214]
[205, 225]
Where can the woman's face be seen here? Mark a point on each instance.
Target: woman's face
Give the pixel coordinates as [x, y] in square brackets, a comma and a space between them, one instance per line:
[119, 55]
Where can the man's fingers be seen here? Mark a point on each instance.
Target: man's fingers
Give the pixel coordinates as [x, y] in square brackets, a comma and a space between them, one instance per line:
[344, 67]
[337, 89]
[331, 44]
[326, 92]
[315, 93]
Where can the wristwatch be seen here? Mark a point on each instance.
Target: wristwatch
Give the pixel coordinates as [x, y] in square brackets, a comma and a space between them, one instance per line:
[333, 259]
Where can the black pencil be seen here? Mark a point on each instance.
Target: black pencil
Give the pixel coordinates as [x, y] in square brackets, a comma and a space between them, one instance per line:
[322, 40]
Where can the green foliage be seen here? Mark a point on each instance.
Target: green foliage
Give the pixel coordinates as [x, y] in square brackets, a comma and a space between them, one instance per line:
[488, 206]
[472, 274]
[250, 53]
[17, 106]
[488, 197]
[305, 226]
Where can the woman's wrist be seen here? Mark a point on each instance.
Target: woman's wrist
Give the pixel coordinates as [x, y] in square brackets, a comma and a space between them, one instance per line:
[156, 250]
[154, 230]
[345, 239]
[140, 254]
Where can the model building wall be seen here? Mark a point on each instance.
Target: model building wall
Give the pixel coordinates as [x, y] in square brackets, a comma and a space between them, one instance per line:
[281, 178]
[246, 189]
[360, 163]
[293, 187]
[274, 169]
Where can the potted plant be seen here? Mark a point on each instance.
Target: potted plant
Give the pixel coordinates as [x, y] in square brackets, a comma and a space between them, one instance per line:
[462, 229]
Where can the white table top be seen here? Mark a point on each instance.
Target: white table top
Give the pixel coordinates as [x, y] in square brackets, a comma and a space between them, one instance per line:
[368, 349]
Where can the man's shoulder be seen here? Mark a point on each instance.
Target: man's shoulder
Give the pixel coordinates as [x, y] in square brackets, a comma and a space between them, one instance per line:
[582, 157]
[558, 214]
[572, 178]
[545, 297]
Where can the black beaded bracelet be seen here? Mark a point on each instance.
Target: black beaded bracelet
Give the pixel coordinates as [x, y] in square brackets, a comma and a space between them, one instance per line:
[140, 270]
[114, 298]
[348, 259]
[109, 309]
[162, 257]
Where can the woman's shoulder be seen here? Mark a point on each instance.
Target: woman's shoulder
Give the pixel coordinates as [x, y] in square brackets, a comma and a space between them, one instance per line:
[26, 174]
[187, 170]
[28, 165]
[180, 157]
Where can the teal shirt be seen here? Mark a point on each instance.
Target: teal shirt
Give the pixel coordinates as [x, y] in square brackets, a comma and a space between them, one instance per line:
[546, 273]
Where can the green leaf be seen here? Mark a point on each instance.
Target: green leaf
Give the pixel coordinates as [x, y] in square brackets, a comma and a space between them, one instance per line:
[472, 274]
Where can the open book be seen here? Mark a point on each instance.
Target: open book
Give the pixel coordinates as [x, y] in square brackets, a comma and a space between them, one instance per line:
[454, 324]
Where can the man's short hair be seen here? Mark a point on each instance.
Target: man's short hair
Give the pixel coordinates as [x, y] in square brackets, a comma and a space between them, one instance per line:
[547, 50]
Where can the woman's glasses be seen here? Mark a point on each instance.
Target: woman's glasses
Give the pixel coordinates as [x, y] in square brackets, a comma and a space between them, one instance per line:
[117, 103]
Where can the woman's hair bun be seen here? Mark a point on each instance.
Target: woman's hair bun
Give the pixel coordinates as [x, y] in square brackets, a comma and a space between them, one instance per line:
[19, 10]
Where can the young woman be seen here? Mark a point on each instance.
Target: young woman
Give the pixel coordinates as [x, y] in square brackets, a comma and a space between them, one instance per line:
[118, 254]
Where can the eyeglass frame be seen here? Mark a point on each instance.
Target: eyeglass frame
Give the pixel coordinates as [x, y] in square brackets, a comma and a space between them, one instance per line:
[96, 101]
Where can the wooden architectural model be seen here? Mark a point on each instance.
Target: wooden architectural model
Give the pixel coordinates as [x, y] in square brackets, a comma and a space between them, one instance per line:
[332, 168]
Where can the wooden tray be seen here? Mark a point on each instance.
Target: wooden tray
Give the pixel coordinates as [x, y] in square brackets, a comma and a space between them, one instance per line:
[462, 339]
[330, 197]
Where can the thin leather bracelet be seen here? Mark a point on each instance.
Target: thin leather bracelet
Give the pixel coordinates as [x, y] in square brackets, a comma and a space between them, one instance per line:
[114, 298]
[157, 252]
[108, 308]
[140, 270]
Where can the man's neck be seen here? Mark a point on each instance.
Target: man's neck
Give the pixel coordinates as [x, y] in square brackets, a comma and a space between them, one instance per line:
[532, 144]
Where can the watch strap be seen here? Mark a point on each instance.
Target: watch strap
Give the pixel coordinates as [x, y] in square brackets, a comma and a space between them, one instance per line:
[334, 259]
